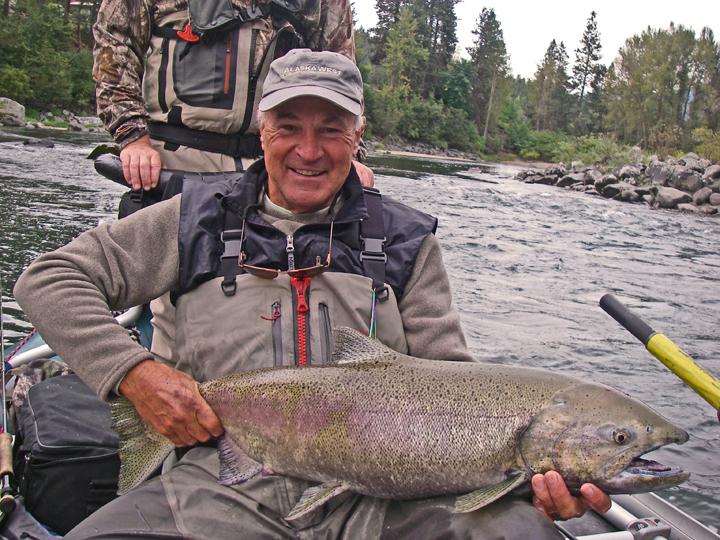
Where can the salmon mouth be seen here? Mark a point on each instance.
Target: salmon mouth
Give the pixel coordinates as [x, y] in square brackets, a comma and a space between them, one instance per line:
[648, 467]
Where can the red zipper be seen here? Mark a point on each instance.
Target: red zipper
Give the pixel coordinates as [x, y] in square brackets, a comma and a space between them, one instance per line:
[227, 66]
[301, 286]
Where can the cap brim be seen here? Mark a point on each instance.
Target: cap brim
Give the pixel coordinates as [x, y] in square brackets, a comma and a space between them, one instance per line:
[271, 101]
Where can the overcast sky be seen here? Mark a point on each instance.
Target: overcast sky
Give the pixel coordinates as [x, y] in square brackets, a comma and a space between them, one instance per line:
[529, 27]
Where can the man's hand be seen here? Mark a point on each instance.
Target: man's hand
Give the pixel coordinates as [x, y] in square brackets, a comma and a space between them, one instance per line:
[553, 499]
[170, 401]
[141, 164]
[367, 177]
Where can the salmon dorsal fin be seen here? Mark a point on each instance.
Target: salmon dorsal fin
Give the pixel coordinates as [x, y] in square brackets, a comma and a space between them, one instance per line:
[352, 347]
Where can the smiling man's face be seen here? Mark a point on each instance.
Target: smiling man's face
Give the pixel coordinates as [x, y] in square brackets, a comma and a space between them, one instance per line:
[309, 144]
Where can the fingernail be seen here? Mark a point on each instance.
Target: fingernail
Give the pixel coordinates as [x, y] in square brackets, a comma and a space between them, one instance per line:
[588, 491]
[538, 482]
[551, 479]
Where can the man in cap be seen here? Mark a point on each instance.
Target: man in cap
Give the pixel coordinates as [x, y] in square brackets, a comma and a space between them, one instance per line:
[332, 248]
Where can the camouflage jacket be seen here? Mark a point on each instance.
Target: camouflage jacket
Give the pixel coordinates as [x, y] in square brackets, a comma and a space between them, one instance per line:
[122, 40]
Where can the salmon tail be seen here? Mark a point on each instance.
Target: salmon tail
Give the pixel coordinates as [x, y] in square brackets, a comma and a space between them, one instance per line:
[142, 448]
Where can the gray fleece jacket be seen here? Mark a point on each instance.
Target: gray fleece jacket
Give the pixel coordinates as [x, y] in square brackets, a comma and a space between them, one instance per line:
[68, 295]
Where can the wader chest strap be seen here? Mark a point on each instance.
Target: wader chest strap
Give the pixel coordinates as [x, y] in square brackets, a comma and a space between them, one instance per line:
[229, 260]
[372, 236]
[247, 146]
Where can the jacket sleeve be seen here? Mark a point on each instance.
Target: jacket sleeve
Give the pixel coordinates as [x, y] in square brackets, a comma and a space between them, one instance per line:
[68, 294]
[431, 322]
[121, 40]
[335, 31]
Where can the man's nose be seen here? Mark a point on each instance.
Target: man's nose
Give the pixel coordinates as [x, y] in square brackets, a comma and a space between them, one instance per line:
[309, 147]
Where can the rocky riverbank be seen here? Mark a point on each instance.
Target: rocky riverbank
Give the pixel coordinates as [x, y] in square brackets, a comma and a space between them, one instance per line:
[689, 184]
[12, 114]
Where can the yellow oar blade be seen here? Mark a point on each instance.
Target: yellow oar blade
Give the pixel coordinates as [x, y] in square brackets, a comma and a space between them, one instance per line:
[666, 351]
[681, 365]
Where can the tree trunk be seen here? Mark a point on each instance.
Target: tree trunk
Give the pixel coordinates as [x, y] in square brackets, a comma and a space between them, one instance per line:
[492, 92]
[6, 9]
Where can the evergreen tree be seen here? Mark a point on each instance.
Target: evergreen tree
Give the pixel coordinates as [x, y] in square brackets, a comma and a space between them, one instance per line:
[548, 98]
[489, 58]
[587, 77]
[406, 58]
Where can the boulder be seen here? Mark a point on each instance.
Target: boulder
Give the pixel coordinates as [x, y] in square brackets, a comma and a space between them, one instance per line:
[688, 207]
[658, 172]
[570, 179]
[74, 125]
[702, 196]
[694, 162]
[668, 197]
[708, 209]
[592, 176]
[42, 143]
[630, 196]
[611, 191]
[558, 169]
[635, 156]
[711, 173]
[547, 180]
[685, 179]
[714, 199]
[627, 172]
[604, 181]
[11, 113]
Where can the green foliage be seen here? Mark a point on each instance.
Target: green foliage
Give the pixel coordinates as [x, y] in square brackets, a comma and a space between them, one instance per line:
[15, 84]
[545, 143]
[548, 97]
[39, 64]
[592, 150]
[518, 136]
[707, 144]
[57, 124]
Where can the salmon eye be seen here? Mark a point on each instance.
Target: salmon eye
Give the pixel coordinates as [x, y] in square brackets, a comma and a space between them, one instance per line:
[621, 436]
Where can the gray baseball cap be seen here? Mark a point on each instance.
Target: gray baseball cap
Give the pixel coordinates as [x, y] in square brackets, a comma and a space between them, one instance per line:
[302, 72]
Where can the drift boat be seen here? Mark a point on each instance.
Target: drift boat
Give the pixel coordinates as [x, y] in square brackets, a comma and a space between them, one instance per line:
[632, 517]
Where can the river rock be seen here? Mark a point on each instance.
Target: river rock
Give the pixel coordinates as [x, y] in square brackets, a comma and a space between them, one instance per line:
[74, 125]
[685, 179]
[592, 176]
[694, 162]
[714, 199]
[41, 143]
[558, 169]
[570, 179]
[702, 196]
[687, 207]
[658, 172]
[668, 197]
[711, 173]
[11, 113]
[604, 181]
[612, 191]
[628, 172]
[708, 209]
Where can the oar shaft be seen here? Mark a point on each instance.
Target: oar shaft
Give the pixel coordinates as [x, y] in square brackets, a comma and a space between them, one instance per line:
[666, 351]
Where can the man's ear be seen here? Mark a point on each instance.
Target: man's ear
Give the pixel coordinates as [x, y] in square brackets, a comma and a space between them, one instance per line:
[262, 139]
[358, 136]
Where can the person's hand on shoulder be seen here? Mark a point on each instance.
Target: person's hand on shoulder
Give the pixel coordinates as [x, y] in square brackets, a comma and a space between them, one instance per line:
[141, 164]
[170, 401]
[554, 500]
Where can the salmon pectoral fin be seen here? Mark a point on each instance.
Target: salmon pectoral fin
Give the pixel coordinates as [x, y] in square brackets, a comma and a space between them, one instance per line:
[315, 497]
[483, 497]
[235, 465]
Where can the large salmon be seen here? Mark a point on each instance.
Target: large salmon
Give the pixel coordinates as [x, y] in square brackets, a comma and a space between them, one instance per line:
[388, 425]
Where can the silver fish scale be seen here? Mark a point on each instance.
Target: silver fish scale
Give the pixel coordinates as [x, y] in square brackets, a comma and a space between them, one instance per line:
[395, 426]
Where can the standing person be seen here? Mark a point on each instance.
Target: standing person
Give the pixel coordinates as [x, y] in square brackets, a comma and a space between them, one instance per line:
[250, 314]
[178, 82]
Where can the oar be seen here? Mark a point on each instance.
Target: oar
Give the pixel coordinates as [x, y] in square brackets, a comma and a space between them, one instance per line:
[666, 351]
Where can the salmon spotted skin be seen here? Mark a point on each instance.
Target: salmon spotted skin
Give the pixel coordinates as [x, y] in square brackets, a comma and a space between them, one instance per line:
[387, 425]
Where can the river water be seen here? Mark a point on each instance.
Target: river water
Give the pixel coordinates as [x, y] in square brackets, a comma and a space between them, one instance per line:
[527, 263]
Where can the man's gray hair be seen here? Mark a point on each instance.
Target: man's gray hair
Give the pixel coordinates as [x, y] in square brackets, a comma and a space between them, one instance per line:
[359, 120]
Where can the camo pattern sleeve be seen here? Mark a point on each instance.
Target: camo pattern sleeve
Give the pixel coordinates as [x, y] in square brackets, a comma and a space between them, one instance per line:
[122, 35]
[336, 29]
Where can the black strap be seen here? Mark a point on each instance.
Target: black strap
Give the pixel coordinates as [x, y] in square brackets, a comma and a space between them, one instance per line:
[229, 260]
[247, 146]
[372, 236]
[242, 16]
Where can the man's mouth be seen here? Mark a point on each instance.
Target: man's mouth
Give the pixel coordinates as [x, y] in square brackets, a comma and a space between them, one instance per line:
[305, 172]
